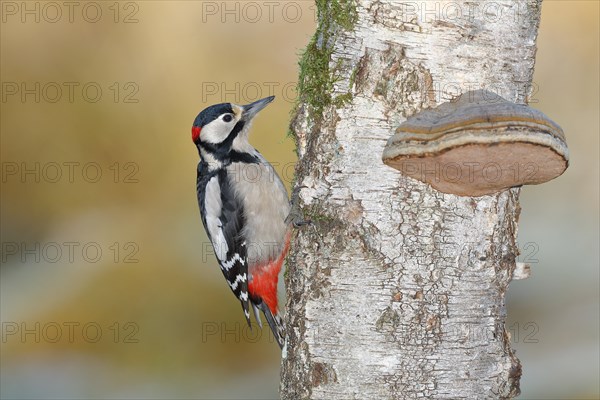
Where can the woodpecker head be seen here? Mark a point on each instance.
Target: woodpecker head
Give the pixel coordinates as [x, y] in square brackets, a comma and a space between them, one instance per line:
[220, 128]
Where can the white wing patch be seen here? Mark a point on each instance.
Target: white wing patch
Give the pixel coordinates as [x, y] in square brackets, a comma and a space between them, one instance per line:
[213, 206]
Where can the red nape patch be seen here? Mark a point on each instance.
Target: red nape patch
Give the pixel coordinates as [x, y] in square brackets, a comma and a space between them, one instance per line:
[264, 280]
[195, 133]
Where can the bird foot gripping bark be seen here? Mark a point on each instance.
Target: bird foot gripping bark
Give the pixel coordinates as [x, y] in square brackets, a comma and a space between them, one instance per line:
[296, 216]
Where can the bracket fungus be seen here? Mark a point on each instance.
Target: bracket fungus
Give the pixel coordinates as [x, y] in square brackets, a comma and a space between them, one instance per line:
[478, 144]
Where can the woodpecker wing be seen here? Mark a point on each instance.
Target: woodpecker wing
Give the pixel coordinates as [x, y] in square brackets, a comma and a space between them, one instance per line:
[223, 219]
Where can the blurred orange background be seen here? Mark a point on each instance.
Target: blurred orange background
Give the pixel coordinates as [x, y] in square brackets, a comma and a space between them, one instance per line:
[109, 288]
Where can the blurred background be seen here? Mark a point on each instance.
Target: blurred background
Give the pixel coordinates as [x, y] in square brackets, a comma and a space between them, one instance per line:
[109, 288]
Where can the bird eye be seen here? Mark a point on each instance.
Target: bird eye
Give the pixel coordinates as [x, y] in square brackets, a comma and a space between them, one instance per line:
[227, 117]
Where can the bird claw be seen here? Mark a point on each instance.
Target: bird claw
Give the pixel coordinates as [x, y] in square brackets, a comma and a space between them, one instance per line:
[296, 218]
[298, 223]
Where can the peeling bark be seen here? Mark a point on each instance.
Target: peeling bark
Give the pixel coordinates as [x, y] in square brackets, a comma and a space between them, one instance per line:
[397, 290]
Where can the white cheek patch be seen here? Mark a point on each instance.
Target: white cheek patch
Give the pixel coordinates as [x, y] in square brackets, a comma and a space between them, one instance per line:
[216, 131]
[213, 205]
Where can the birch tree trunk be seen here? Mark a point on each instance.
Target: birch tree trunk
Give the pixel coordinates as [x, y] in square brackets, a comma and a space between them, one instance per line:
[397, 290]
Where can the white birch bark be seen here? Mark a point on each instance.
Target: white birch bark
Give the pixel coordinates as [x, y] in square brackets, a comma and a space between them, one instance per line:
[396, 290]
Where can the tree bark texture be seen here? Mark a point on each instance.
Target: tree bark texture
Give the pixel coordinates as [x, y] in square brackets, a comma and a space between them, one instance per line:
[396, 290]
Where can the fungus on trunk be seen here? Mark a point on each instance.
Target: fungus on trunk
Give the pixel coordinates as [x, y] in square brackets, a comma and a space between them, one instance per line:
[478, 144]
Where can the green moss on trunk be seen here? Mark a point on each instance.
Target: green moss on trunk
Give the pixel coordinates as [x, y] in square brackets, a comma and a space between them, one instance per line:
[315, 83]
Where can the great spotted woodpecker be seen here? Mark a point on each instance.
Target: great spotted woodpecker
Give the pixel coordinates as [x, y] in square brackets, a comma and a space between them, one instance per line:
[244, 206]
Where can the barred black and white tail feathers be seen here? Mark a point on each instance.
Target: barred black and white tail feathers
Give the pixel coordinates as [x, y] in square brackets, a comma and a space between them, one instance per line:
[275, 322]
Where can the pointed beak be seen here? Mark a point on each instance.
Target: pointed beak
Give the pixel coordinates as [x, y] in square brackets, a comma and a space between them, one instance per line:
[250, 110]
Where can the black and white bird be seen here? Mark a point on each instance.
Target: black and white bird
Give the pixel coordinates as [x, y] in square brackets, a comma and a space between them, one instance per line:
[244, 206]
